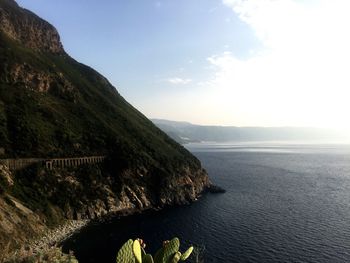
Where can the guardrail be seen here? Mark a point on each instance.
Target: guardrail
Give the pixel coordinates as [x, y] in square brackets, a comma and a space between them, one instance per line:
[18, 164]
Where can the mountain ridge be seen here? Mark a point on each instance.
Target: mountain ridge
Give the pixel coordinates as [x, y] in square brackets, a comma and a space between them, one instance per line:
[184, 132]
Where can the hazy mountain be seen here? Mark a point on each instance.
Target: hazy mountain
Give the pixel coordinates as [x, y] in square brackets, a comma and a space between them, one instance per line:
[185, 132]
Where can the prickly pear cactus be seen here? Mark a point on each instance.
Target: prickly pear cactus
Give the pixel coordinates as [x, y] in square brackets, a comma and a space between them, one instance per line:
[176, 257]
[126, 254]
[133, 252]
[147, 258]
[170, 249]
[143, 252]
[185, 255]
[136, 247]
[158, 258]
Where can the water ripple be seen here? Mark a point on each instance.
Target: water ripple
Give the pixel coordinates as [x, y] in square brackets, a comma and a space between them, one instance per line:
[282, 205]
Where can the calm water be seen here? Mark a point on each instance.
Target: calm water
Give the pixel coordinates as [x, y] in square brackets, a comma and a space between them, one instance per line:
[284, 203]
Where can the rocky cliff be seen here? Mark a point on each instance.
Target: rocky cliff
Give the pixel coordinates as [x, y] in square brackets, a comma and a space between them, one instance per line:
[53, 106]
[28, 29]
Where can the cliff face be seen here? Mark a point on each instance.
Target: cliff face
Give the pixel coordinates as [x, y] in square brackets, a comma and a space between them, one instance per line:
[53, 106]
[35, 200]
[27, 28]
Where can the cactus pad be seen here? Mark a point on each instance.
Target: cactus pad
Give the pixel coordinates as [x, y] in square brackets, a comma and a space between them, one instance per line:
[158, 257]
[186, 254]
[147, 258]
[136, 247]
[176, 257]
[125, 254]
[170, 249]
[143, 252]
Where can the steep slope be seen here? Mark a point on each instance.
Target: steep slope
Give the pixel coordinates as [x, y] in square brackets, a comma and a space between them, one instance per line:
[53, 106]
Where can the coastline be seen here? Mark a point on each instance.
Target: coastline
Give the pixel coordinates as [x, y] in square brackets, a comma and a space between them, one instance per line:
[55, 236]
[50, 240]
[46, 244]
[47, 241]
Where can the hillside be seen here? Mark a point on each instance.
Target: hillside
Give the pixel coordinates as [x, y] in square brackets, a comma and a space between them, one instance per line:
[54, 106]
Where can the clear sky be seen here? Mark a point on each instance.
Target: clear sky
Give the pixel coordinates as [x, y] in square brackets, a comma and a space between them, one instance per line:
[226, 62]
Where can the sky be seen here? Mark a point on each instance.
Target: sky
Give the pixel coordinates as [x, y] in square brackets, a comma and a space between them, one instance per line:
[216, 62]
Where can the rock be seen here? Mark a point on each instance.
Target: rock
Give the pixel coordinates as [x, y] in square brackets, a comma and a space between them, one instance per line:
[56, 236]
[214, 189]
[6, 174]
[184, 187]
[41, 81]
[29, 29]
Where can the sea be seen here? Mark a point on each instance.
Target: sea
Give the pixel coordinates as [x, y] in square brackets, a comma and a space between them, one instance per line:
[284, 202]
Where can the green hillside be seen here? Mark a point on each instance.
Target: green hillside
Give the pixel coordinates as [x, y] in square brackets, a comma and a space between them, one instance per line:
[80, 113]
[54, 106]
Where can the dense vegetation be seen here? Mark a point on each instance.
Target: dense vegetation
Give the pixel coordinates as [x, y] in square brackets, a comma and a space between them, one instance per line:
[78, 112]
[87, 117]
[50, 193]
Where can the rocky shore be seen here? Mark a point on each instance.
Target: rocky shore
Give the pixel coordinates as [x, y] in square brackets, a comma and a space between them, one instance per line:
[47, 246]
[54, 237]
